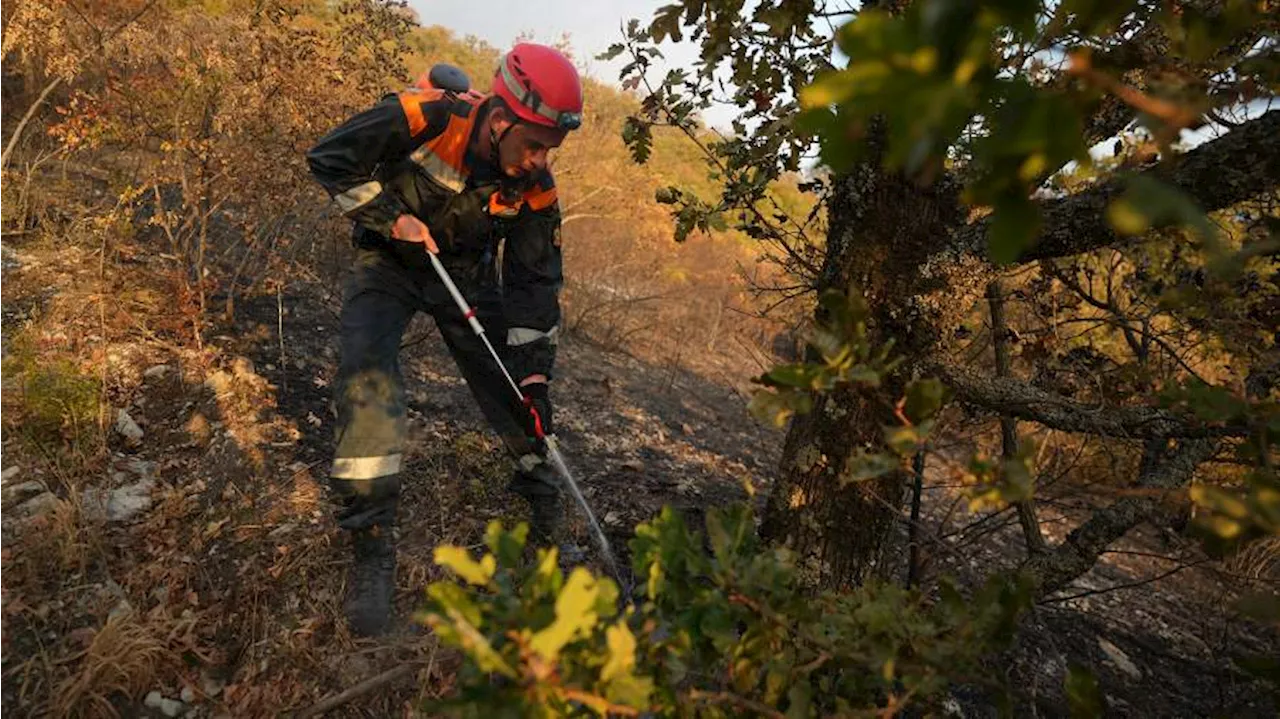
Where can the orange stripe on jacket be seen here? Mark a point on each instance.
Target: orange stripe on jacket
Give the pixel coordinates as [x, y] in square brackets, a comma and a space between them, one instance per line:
[541, 199]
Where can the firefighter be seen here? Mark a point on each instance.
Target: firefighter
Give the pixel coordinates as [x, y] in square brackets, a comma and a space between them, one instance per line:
[440, 168]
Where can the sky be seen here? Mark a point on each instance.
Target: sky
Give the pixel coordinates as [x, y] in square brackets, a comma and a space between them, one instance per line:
[592, 25]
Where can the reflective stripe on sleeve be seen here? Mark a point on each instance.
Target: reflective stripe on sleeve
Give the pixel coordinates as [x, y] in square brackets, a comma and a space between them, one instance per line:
[358, 196]
[524, 335]
[366, 467]
[439, 170]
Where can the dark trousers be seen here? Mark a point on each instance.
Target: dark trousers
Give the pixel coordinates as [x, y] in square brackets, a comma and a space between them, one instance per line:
[379, 301]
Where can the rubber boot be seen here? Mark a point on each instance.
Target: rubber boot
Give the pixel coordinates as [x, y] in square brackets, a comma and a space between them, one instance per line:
[547, 513]
[371, 585]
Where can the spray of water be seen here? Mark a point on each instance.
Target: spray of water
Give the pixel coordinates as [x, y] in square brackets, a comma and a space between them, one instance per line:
[558, 461]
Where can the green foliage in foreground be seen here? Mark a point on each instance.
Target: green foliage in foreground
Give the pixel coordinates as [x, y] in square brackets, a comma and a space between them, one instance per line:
[723, 628]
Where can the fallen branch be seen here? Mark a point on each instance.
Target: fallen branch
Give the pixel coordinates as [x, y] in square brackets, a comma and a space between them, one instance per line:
[735, 700]
[359, 690]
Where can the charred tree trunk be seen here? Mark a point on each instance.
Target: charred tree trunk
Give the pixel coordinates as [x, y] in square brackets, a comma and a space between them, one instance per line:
[883, 228]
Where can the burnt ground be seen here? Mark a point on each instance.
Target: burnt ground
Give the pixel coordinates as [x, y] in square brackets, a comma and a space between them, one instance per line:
[230, 584]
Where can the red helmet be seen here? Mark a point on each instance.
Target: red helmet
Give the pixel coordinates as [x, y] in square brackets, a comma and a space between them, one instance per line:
[540, 86]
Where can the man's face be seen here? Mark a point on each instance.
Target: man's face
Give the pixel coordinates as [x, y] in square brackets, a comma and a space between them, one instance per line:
[525, 149]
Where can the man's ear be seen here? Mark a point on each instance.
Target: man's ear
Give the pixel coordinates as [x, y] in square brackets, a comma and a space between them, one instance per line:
[499, 119]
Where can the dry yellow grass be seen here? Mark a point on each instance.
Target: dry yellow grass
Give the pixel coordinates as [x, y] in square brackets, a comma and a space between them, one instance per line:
[123, 657]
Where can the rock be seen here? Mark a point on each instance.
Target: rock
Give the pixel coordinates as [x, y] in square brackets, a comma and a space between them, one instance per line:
[211, 685]
[37, 506]
[9, 473]
[1120, 659]
[120, 504]
[188, 695]
[156, 372]
[122, 609]
[168, 707]
[135, 466]
[128, 429]
[686, 429]
[281, 530]
[17, 493]
[612, 518]
[633, 465]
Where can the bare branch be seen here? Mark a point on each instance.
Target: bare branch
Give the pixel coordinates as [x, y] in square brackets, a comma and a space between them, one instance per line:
[1235, 167]
[1025, 401]
[1162, 469]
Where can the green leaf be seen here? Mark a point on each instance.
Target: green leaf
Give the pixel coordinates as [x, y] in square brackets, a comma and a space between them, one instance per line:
[460, 562]
[1148, 202]
[804, 376]
[630, 690]
[547, 577]
[666, 22]
[450, 597]
[777, 408]
[666, 195]
[575, 614]
[637, 135]
[506, 546]
[863, 466]
[799, 700]
[904, 440]
[924, 399]
[728, 529]
[1013, 226]
[613, 51]
[621, 660]
[465, 636]
[1084, 699]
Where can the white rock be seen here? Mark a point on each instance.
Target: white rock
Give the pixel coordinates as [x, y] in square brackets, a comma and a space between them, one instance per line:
[9, 473]
[156, 372]
[1120, 659]
[137, 466]
[23, 491]
[120, 504]
[188, 695]
[612, 518]
[129, 429]
[38, 505]
[168, 707]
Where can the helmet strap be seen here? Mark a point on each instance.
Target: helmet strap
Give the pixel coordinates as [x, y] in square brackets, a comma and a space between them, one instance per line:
[495, 141]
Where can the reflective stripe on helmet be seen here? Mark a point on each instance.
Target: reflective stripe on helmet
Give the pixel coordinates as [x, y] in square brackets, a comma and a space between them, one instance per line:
[530, 99]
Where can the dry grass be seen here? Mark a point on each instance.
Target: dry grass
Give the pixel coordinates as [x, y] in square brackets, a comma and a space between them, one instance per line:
[123, 657]
[1258, 560]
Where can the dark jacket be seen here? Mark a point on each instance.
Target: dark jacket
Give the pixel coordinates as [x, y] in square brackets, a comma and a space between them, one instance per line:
[409, 154]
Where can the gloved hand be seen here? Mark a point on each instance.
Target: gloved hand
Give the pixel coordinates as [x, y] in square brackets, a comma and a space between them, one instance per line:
[410, 229]
[537, 399]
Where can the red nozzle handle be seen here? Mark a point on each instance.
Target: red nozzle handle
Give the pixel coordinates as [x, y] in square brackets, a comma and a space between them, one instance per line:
[537, 418]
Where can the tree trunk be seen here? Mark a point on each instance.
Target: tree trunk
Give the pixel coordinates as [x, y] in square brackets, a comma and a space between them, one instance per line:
[1008, 425]
[22, 123]
[883, 229]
